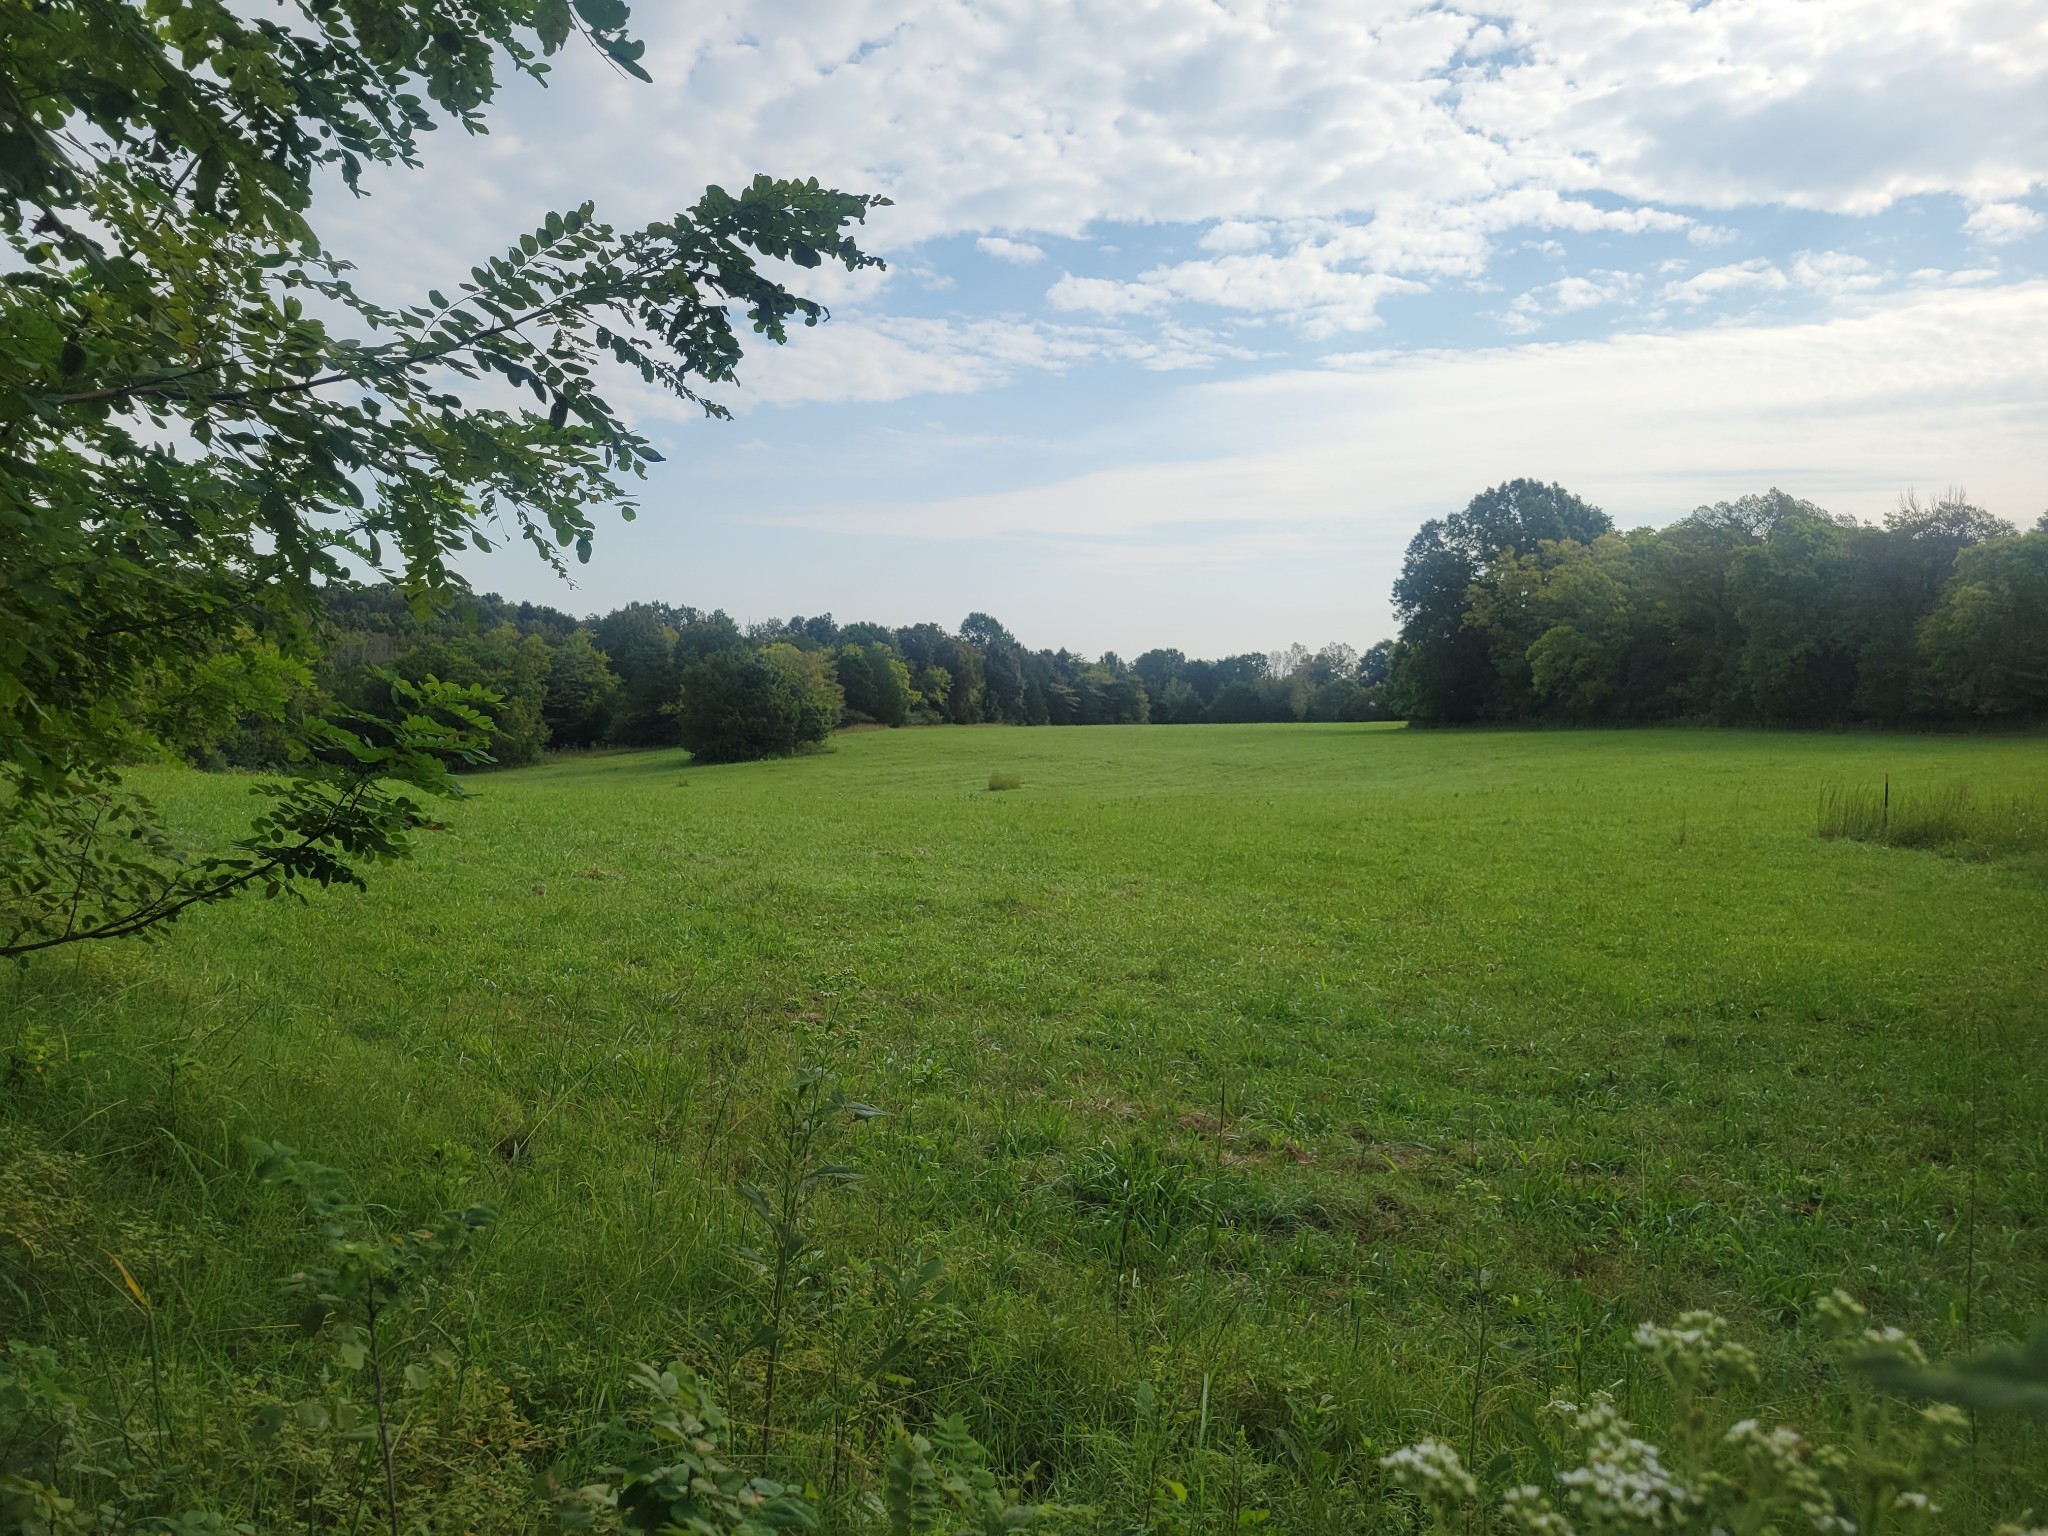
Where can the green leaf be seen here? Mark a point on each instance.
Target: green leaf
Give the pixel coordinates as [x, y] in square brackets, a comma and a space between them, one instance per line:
[603, 15]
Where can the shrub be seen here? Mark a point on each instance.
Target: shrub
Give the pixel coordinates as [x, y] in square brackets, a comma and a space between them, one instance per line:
[738, 705]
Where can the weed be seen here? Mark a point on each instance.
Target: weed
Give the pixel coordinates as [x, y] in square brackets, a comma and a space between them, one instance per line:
[806, 1118]
[1951, 818]
[1000, 780]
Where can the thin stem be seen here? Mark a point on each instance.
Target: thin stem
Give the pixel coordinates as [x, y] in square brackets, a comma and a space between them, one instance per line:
[383, 1427]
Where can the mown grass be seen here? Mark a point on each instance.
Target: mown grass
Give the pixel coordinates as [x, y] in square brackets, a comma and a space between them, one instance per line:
[1269, 1096]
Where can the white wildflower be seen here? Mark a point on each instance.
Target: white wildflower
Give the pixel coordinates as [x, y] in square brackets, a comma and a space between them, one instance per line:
[1624, 1479]
[1529, 1511]
[1842, 1310]
[1783, 1457]
[1431, 1470]
[1896, 1342]
[1696, 1345]
[1947, 1425]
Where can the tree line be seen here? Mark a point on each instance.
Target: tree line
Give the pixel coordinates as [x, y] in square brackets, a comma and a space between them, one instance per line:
[1529, 605]
[1526, 606]
[656, 674]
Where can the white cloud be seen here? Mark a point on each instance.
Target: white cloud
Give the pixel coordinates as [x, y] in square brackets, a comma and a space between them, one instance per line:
[1022, 252]
[1931, 389]
[2000, 223]
[1233, 235]
[1717, 282]
[1566, 296]
[1103, 296]
[1411, 133]
[882, 358]
[1834, 272]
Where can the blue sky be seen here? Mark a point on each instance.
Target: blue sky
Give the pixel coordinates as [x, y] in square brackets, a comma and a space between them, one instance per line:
[1194, 310]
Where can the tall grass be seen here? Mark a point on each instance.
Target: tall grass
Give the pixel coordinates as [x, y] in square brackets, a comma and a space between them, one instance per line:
[1952, 817]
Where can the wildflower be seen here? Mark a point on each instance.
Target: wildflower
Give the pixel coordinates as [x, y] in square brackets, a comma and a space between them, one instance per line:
[1624, 1479]
[1841, 1310]
[1530, 1512]
[1431, 1470]
[1893, 1341]
[1697, 1345]
[1947, 1425]
[1917, 1503]
[1782, 1457]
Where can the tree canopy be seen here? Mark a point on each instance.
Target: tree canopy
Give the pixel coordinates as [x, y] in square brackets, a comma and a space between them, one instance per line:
[1766, 609]
[203, 420]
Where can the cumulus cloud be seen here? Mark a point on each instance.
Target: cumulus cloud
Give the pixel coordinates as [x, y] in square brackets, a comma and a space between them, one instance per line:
[2001, 223]
[1717, 282]
[1424, 130]
[1235, 235]
[1103, 295]
[1835, 272]
[1565, 296]
[1022, 252]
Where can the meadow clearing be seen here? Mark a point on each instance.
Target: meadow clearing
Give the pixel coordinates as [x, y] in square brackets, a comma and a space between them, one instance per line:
[1255, 1099]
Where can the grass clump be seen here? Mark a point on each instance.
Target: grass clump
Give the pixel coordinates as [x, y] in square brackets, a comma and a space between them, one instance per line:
[1005, 781]
[1952, 817]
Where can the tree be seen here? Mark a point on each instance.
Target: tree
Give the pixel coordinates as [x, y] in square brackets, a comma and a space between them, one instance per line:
[1986, 644]
[740, 705]
[1797, 661]
[640, 641]
[510, 667]
[581, 692]
[1447, 669]
[190, 443]
[875, 683]
[1894, 581]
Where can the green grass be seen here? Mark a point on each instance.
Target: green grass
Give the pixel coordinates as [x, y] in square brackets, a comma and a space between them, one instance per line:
[1244, 1080]
[1952, 817]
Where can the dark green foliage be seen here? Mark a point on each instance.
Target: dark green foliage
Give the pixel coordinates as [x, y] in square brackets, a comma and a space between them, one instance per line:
[512, 668]
[739, 705]
[582, 691]
[1765, 610]
[875, 683]
[1986, 642]
[1447, 673]
[680, 1481]
[202, 422]
[90, 865]
[640, 643]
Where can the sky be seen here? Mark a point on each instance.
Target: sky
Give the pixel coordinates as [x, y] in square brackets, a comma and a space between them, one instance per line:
[1195, 309]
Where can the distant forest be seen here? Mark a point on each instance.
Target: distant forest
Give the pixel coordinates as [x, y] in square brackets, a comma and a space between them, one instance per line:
[1530, 606]
[660, 675]
[1527, 606]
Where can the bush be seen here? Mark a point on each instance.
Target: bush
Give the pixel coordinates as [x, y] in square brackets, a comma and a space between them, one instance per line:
[737, 706]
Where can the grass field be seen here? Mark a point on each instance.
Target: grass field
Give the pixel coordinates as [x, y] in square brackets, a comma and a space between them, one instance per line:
[1270, 1096]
